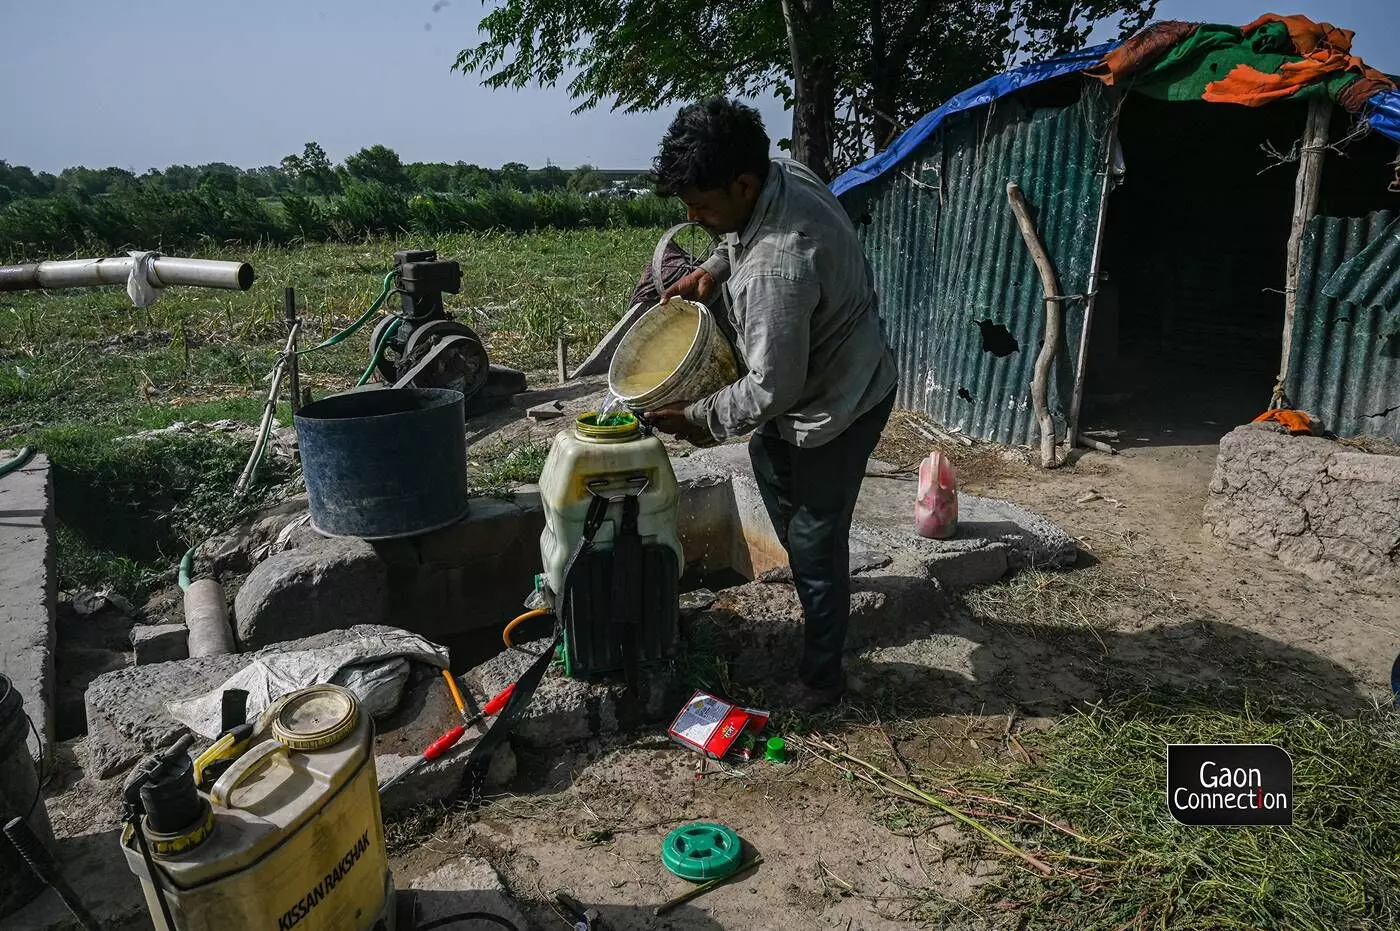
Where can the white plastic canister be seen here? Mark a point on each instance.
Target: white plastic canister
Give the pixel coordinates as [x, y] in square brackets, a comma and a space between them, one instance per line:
[589, 460]
[297, 840]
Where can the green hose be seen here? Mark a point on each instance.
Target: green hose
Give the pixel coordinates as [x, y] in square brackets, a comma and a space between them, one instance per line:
[22, 457]
[363, 319]
[379, 350]
[186, 567]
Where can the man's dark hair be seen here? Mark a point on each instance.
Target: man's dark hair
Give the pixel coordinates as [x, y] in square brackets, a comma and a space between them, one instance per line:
[709, 145]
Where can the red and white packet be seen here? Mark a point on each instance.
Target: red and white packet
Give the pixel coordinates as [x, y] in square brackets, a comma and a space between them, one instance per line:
[713, 727]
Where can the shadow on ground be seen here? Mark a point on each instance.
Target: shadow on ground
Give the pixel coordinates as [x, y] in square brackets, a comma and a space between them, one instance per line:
[925, 652]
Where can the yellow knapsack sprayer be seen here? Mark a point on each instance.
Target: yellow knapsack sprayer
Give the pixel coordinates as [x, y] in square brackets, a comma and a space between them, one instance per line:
[287, 833]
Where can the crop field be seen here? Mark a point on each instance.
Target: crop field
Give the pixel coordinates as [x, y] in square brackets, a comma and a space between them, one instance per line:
[82, 370]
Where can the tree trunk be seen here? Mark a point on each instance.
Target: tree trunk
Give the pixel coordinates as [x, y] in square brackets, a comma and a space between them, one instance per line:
[813, 85]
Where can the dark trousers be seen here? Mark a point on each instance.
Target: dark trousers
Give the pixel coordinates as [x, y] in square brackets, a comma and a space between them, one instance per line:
[810, 495]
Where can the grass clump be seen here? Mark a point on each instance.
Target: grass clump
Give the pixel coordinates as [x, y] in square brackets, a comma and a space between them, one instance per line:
[128, 506]
[498, 473]
[81, 368]
[1093, 805]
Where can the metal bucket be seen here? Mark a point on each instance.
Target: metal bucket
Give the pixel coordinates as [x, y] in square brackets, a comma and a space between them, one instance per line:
[383, 463]
[19, 798]
[706, 367]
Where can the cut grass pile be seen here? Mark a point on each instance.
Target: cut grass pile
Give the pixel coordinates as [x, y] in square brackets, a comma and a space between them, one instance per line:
[1080, 836]
[1092, 806]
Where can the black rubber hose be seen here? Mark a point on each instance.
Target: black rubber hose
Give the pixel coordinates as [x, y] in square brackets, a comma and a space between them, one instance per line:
[469, 916]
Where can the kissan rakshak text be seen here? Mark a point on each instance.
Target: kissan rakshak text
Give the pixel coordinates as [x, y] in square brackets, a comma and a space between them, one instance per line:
[319, 892]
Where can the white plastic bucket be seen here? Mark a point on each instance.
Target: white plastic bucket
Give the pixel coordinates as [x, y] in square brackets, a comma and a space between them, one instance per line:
[653, 368]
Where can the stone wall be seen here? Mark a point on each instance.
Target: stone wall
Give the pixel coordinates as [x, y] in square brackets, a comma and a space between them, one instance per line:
[1321, 507]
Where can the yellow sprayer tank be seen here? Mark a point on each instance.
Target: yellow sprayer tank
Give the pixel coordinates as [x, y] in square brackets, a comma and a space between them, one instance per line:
[591, 460]
[297, 839]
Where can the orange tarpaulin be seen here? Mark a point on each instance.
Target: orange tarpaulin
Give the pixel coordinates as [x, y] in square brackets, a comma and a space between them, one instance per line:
[1297, 422]
[1326, 51]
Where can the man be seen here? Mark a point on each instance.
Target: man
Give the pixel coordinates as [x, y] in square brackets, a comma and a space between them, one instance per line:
[821, 380]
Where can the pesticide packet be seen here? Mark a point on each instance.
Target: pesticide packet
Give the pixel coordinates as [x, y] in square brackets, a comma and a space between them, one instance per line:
[713, 727]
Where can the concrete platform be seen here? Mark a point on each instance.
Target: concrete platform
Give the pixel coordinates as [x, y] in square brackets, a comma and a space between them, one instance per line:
[29, 589]
[993, 537]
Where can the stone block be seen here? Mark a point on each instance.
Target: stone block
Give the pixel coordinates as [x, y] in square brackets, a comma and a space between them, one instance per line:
[462, 885]
[491, 527]
[159, 643]
[28, 589]
[331, 585]
[565, 711]
[126, 713]
[1322, 509]
[252, 541]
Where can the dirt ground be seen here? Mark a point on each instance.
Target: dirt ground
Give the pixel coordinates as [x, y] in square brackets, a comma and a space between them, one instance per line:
[1153, 602]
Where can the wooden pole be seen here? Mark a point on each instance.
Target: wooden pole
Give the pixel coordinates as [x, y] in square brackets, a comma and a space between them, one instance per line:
[289, 308]
[1095, 272]
[1305, 197]
[1054, 322]
[561, 358]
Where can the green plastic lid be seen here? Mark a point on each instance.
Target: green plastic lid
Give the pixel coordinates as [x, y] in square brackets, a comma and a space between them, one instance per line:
[702, 851]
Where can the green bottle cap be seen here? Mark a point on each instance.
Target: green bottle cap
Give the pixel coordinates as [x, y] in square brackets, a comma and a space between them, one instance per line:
[702, 851]
[776, 750]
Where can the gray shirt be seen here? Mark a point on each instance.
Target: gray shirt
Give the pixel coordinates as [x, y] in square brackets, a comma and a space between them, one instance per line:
[803, 305]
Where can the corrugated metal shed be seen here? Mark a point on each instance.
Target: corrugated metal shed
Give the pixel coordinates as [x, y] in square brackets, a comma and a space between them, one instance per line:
[950, 263]
[1371, 278]
[1345, 361]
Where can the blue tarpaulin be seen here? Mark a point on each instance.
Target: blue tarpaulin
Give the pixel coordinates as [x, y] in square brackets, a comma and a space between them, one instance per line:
[1382, 111]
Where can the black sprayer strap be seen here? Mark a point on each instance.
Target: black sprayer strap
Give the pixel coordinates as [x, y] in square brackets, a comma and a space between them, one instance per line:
[597, 512]
[626, 586]
[500, 728]
[529, 681]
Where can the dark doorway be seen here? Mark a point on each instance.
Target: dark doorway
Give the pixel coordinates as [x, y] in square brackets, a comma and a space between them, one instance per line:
[1188, 327]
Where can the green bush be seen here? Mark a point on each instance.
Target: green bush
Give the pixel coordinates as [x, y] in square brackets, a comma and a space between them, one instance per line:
[304, 217]
[367, 208]
[150, 218]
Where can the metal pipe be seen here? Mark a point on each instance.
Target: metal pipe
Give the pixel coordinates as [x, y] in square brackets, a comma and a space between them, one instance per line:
[206, 617]
[164, 272]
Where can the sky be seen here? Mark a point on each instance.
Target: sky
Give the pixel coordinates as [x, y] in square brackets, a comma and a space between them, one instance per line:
[160, 82]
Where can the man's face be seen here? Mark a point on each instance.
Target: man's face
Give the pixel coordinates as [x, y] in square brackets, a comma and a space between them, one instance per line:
[724, 209]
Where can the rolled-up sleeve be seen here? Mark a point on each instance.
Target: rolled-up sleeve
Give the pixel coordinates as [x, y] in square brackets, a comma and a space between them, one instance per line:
[718, 264]
[777, 337]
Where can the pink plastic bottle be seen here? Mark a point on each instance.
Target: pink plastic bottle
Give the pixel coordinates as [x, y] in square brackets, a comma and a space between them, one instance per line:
[936, 508]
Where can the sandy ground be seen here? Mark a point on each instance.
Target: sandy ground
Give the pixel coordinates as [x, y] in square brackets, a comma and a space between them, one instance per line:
[1153, 602]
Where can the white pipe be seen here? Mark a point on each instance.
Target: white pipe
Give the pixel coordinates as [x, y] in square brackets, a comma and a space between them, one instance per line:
[164, 272]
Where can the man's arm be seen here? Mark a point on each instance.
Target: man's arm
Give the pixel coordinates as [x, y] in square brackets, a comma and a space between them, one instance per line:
[777, 338]
[701, 283]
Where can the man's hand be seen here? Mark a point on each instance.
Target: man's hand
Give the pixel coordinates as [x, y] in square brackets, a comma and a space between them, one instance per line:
[672, 421]
[697, 286]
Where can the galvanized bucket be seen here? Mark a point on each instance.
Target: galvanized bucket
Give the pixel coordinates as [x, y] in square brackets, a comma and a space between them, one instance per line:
[383, 463]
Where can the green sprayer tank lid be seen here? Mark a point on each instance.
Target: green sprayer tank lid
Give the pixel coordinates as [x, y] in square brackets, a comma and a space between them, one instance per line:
[702, 851]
